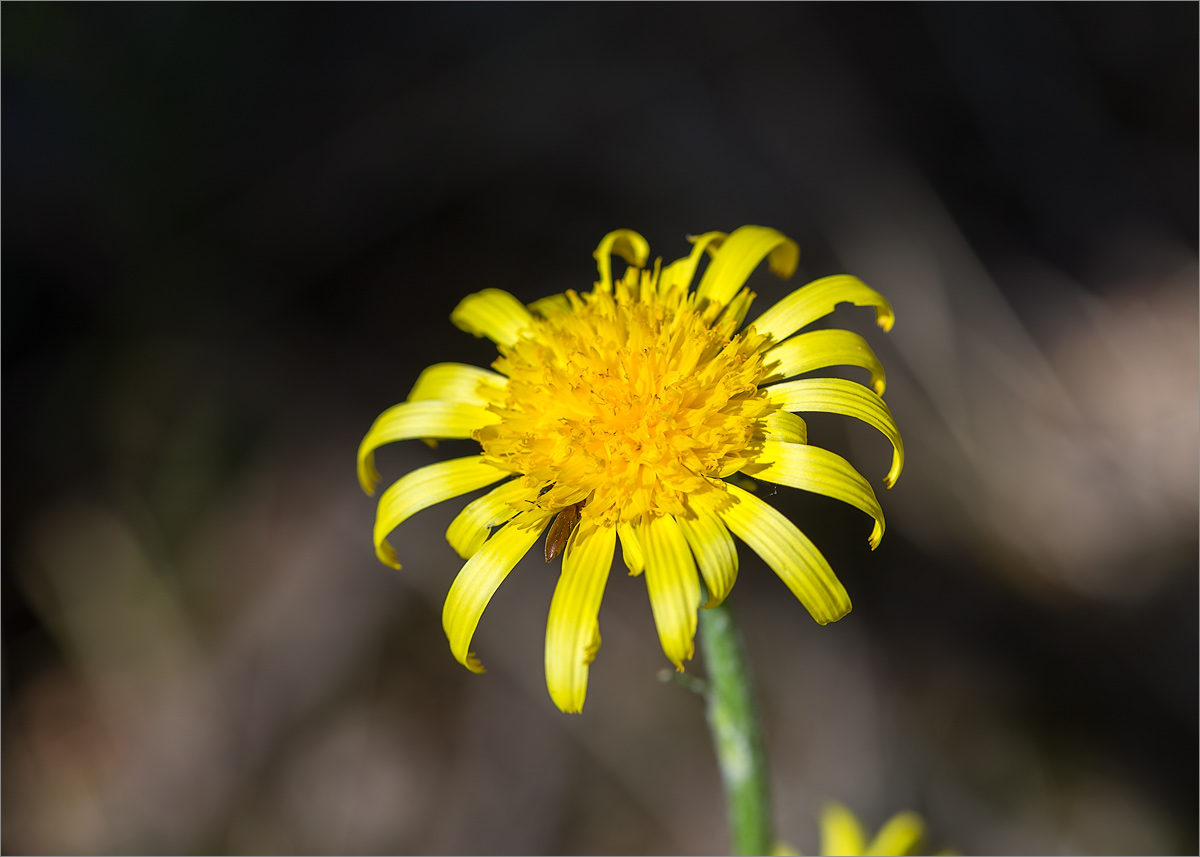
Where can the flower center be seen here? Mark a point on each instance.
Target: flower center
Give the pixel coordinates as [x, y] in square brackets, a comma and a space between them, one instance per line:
[629, 401]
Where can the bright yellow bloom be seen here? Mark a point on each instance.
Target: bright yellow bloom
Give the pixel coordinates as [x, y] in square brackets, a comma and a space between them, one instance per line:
[843, 836]
[623, 410]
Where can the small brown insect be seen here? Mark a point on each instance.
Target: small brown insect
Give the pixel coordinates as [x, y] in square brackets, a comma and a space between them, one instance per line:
[561, 527]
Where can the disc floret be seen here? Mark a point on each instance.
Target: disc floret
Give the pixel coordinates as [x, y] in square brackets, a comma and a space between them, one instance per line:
[629, 400]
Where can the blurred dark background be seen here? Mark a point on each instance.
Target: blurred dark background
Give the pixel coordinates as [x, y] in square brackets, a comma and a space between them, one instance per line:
[233, 234]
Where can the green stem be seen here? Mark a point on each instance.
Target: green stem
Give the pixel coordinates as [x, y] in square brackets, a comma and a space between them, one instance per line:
[737, 735]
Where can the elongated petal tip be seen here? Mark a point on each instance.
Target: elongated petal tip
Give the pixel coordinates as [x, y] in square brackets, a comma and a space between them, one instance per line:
[838, 613]
[387, 555]
[572, 628]
[688, 655]
[425, 487]
[478, 580]
[818, 299]
[783, 259]
[740, 254]
[493, 313]
[673, 585]
[567, 699]
[567, 707]
[627, 244]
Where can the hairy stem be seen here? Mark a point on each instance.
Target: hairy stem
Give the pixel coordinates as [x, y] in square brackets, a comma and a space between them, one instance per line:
[737, 735]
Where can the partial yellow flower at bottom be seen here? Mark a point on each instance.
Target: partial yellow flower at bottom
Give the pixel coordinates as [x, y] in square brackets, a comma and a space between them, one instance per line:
[619, 414]
[843, 836]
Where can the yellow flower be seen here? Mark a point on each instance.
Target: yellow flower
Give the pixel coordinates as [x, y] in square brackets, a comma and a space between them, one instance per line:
[843, 836]
[619, 414]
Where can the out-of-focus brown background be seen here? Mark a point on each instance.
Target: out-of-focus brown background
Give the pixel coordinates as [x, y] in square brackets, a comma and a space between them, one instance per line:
[233, 234]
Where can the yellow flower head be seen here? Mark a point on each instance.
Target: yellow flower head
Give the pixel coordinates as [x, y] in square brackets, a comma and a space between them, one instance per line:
[619, 413]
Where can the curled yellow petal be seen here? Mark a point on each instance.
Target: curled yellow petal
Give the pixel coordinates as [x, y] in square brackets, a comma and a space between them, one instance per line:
[740, 254]
[573, 629]
[788, 552]
[550, 305]
[673, 585]
[818, 299]
[454, 382]
[423, 488]
[836, 396]
[714, 549]
[820, 348]
[481, 577]
[681, 272]
[840, 832]
[812, 468]
[631, 549]
[627, 244]
[493, 313]
[410, 420]
[470, 529]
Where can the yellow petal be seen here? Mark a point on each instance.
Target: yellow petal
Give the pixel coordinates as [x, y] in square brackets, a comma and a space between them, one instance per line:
[423, 488]
[841, 834]
[735, 311]
[409, 420]
[631, 549]
[550, 305]
[681, 271]
[789, 553]
[816, 300]
[900, 835]
[820, 348]
[673, 585]
[715, 551]
[785, 426]
[836, 396]
[573, 630]
[493, 313]
[470, 529]
[627, 244]
[812, 468]
[480, 577]
[454, 382]
[740, 255]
